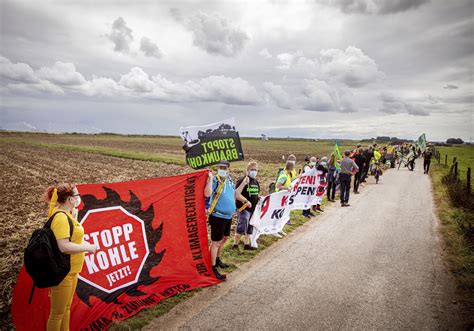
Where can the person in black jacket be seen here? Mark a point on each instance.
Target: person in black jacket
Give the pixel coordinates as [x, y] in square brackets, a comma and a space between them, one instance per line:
[368, 154]
[359, 159]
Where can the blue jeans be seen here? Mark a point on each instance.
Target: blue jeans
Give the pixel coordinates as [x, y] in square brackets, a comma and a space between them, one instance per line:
[345, 180]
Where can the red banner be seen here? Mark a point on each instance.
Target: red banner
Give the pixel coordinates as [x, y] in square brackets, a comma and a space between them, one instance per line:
[153, 244]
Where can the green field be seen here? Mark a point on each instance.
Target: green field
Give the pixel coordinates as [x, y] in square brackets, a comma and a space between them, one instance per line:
[464, 155]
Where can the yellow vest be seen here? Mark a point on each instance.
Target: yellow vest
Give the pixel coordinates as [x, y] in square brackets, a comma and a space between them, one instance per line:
[288, 177]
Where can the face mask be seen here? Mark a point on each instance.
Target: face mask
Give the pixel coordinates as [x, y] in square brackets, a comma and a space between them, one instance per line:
[253, 173]
[222, 173]
[294, 162]
[76, 201]
[312, 164]
[324, 163]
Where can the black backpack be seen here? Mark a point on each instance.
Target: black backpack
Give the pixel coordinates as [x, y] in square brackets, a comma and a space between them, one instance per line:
[44, 262]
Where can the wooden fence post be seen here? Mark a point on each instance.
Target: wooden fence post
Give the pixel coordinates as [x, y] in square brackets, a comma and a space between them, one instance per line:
[446, 160]
[456, 171]
[468, 180]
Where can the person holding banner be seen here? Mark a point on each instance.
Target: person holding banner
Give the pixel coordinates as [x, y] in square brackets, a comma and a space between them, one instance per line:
[222, 208]
[247, 197]
[284, 180]
[63, 202]
[310, 165]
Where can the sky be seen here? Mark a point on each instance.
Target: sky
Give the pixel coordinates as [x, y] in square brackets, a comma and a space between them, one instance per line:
[319, 69]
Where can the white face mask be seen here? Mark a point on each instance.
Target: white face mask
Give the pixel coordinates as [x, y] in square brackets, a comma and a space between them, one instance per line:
[76, 201]
[222, 173]
[294, 162]
[253, 173]
[312, 164]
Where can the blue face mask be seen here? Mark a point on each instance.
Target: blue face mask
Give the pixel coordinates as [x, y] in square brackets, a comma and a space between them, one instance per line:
[253, 174]
[222, 173]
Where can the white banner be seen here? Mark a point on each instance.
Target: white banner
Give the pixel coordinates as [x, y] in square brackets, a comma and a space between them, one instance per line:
[270, 215]
[273, 211]
[304, 189]
[320, 189]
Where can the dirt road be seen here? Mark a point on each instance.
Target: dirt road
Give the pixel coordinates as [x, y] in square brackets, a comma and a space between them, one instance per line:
[374, 265]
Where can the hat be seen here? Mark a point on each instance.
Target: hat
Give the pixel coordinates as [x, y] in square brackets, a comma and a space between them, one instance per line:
[224, 163]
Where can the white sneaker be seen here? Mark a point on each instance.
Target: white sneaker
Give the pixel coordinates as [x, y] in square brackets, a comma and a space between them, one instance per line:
[278, 235]
[283, 233]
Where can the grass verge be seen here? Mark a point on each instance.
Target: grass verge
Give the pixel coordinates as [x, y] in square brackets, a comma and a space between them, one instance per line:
[460, 248]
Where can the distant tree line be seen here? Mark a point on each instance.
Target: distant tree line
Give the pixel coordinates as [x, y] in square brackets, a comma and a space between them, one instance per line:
[454, 141]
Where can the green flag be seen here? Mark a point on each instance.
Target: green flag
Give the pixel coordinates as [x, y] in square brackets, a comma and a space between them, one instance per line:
[421, 142]
[337, 156]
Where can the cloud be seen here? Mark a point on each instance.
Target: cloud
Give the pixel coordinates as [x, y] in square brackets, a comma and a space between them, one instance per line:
[416, 109]
[265, 54]
[62, 78]
[20, 72]
[149, 48]
[451, 87]
[393, 105]
[176, 14]
[103, 87]
[40, 87]
[121, 36]
[350, 66]
[224, 89]
[380, 7]
[278, 95]
[137, 80]
[319, 96]
[61, 73]
[216, 35]
[286, 60]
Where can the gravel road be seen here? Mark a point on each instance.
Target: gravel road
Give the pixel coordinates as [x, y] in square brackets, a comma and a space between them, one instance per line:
[374, 265]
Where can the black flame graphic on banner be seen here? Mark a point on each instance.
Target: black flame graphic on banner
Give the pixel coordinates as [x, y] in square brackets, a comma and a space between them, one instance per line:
[134, 206]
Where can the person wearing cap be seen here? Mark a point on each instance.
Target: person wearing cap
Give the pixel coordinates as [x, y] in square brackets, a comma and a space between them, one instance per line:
[347, 165]
[221, 210]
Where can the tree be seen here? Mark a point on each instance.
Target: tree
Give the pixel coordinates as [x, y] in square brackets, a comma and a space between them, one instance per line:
[455, 141]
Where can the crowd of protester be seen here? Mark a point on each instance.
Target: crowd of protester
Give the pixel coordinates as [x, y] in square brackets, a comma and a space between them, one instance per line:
[341, 173]
[225, 199]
